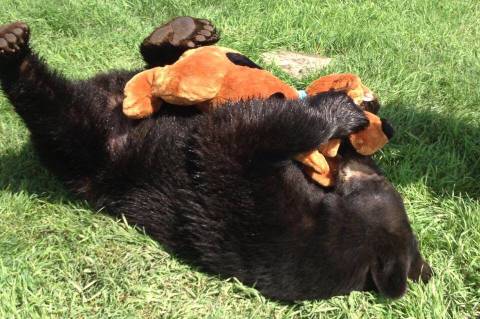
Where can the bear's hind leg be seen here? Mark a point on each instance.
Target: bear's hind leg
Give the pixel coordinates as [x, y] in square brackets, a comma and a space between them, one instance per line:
[34, 91]
[169, 41]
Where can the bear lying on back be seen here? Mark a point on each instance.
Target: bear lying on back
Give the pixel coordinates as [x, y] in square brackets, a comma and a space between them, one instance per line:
[221, 190]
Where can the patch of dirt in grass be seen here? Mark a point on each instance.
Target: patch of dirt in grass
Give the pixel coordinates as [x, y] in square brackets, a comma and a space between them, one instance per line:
[296, 64]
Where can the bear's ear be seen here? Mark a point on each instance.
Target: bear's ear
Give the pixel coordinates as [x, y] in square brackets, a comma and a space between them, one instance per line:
[389, 274]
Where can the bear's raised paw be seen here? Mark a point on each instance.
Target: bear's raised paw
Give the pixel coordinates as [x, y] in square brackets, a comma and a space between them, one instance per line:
[184, 32]
[13, 39]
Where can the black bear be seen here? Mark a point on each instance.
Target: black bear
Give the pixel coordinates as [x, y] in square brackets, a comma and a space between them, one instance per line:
[220, 190]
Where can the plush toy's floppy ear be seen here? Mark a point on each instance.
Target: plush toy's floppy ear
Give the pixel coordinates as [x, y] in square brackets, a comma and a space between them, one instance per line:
[370, 139]
[138, 102]
[344, 82]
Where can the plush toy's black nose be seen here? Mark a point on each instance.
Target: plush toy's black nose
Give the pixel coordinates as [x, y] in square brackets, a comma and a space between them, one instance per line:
[387, 128]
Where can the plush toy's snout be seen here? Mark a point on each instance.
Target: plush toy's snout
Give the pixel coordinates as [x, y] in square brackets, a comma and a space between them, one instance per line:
[370, 139]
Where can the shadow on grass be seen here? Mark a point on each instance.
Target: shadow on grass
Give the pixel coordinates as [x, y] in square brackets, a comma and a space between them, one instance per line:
[21, 172]
[438, 150]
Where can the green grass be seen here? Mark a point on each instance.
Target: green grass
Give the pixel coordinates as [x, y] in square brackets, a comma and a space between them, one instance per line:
[61, 259]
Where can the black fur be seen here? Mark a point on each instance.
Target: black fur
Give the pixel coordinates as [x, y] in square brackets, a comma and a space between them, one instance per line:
[221, 190]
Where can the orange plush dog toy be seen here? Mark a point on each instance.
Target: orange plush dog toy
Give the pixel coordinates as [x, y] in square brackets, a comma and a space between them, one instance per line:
[209, 76]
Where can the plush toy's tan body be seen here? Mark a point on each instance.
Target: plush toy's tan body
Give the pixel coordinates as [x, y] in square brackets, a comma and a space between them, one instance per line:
[206, 77]
[203, 77]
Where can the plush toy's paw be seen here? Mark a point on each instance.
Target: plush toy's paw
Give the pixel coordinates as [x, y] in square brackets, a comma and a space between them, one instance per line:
[184, 32]
[319, 168]
[13, 39]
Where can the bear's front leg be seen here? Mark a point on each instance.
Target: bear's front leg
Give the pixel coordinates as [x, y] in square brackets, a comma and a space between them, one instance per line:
[67, 121]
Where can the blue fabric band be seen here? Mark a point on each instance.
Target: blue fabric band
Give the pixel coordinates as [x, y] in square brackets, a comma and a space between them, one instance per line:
[302, 94]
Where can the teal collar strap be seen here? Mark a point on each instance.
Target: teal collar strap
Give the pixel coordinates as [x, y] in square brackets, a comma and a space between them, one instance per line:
[302, 94]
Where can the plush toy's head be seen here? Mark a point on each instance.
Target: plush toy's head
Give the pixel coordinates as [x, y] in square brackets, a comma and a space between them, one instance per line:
[322, 167]
[372, 138]
[210, 76]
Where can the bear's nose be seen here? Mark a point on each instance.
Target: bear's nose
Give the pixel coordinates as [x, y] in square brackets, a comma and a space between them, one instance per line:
[387, 128]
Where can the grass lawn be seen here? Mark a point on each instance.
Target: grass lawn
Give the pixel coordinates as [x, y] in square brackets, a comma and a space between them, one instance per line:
[58, 258]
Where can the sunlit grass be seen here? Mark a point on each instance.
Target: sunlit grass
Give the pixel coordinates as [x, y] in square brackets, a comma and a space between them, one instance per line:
[61, 259]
